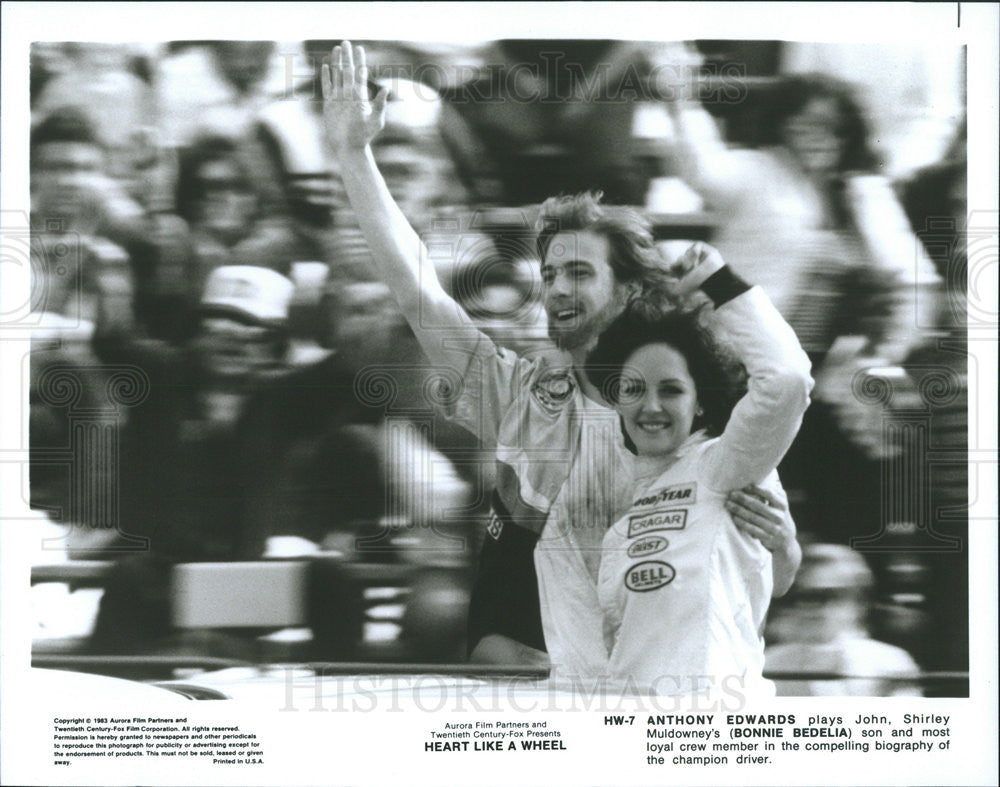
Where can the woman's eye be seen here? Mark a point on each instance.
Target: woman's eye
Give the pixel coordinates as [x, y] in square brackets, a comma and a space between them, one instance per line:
[630, 390]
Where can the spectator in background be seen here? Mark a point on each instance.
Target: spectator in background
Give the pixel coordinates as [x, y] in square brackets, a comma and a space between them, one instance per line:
[72, 394]
[822, 628]
[288, 145]
[178, 447]
[231, 221]
[503, 298]
[100, 82]
[935, 202]
[320, 432]
[390, 379]
[419, 173]
[95, 232]
[820, 228]
[184, 464]
[813, 213]
[912, 94]
[934, 198]
[219, 87]
[253, 95]
[81, 218]
[553, 116]
[411, 152]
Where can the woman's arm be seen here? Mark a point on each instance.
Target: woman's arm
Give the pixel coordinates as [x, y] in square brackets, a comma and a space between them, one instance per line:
[703, 159]
[766, 420]
[900, 258]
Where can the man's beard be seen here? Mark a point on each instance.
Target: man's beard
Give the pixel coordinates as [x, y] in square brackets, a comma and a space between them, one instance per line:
[586, 334]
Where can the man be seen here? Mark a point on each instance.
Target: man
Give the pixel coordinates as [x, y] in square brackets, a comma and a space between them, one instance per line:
[81, 218]
[178, 441]
[113, 226]
[78, 219]
[822, 629]
[185, 466]
[540, 416]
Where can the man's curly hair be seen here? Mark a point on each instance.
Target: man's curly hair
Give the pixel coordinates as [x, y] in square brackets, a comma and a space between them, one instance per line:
[633, 255]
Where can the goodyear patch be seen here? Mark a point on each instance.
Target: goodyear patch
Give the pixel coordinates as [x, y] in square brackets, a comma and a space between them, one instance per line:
[495, 526]
[683, 494]
[649, 575]
[649, 545]
[662, 519]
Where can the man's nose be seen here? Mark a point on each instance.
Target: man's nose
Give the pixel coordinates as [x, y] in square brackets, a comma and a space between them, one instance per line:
[560, 285]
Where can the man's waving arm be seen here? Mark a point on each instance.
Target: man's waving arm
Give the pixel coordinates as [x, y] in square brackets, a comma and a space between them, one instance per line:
[352, 122]
[489, 378]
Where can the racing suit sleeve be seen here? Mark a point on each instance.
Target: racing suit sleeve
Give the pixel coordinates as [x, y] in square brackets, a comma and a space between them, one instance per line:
[480, 393]
[765, 421]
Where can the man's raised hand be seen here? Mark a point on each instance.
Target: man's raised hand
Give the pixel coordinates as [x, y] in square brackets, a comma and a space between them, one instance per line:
[351, 120]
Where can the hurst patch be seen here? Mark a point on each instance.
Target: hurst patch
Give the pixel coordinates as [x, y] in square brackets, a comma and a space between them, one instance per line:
[649, 575]
[664, 519]
[649, 545]
[681, 494]
[495, 526]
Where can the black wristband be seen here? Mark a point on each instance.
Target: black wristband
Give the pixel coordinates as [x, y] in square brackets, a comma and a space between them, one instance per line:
[724, 285]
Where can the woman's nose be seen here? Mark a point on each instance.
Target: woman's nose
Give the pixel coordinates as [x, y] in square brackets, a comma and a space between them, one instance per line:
[651, 403]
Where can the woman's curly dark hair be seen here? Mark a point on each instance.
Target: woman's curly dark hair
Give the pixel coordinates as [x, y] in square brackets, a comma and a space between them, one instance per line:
[852, 128]
[720, 379]
[190, 190]
[858, 154]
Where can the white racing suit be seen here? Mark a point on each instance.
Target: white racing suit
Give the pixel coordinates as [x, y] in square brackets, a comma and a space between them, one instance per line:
[681, 594]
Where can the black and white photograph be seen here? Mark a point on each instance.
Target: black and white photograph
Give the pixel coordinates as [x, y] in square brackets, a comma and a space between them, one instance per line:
[456, 393]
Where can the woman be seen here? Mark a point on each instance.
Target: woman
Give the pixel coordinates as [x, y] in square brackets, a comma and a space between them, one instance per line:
[681, 593]
[235, 219]
[838, 259]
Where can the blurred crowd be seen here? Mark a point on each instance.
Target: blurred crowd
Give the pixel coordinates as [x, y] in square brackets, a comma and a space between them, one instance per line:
[218, 376]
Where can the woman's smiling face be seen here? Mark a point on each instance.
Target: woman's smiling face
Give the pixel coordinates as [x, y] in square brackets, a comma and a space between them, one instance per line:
[657, 399]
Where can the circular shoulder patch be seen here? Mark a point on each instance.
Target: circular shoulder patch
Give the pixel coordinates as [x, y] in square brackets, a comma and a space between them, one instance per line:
[554, 388]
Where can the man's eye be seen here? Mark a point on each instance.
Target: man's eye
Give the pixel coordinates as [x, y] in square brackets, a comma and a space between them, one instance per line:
[548, 277]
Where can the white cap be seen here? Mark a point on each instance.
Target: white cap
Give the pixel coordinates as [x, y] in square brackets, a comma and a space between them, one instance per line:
[833, 567]
[249, 291]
